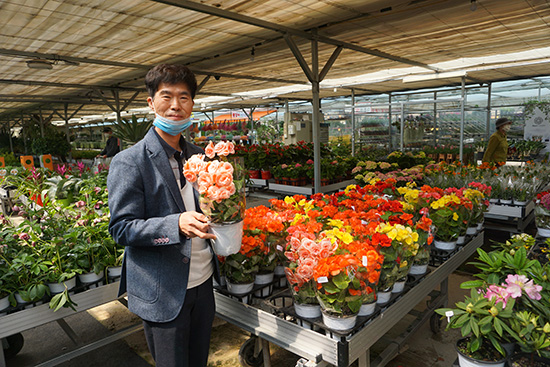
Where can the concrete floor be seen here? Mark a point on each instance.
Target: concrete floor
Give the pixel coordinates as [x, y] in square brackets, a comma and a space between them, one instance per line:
[424, 349]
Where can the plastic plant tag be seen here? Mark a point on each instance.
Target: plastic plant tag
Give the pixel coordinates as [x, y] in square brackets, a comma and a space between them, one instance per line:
[449, 314]
[365, 261]
[322, 280]
[280, 248]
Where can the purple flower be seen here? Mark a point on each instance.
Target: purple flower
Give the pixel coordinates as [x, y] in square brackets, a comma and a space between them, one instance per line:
[80, 204]
[24, 236]
[97, 189]
[16, 208]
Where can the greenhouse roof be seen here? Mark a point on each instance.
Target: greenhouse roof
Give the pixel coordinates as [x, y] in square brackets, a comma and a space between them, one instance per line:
[69, 59]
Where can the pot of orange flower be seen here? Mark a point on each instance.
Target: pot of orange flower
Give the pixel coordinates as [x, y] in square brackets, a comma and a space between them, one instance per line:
[221, 185]
[339, 290]
[240, 269]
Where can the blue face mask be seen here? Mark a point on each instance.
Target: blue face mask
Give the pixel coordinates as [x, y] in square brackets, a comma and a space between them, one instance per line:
[170, 126]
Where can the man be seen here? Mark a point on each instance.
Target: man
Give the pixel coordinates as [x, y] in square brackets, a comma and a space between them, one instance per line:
[497, 148]
[168, 262]
[112, 146]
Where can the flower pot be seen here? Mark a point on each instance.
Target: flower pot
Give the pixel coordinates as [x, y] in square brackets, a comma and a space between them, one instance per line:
[367, 309]
[467, 361]
[239, 289]
[494, 200]
[307, 310]
[114, 271]
[266, 175]
[461, 240]
[264, 279]
[339, 323]
[418, 269]
[89, 277]
[543, 232]
[254, 173]
[383, 297]
[4, 303]
[228, 237]
[20, 300]
[471, 230]
[56, 288]
[479, 226]
[398, 286]
[444, 245]
[524, 360]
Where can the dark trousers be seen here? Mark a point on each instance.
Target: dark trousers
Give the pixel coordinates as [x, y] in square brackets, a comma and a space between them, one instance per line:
[184, 342]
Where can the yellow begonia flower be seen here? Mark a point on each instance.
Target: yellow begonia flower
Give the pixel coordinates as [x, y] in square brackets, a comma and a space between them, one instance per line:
[297, 219]
[349, 188]
[455, 216]
[289, 200]
[402, 190]
[336, 223]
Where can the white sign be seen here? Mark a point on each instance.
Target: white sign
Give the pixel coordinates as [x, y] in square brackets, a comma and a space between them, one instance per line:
[538, 125]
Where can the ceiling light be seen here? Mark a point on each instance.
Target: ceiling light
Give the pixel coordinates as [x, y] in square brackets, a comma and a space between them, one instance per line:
[434, 76]
[39, 64]
[473, 5]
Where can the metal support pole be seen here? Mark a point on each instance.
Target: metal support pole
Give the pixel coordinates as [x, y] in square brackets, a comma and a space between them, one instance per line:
[352, 122]
[9, 136]
[463, 92]
[23, 130]
[435, 120]
[488, 120]
[41, 121]
[402, 127]
[316, 114]
[390, 145]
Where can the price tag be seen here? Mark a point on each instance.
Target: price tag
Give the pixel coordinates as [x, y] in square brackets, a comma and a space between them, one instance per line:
[279, 247]
[365, 261]
[449, 314]
[322, 280]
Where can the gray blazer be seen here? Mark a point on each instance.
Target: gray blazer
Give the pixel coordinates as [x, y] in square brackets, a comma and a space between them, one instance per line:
[145, 203]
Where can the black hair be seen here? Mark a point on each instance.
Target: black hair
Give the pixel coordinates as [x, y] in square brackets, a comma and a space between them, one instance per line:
[107, 129]
[170, 74]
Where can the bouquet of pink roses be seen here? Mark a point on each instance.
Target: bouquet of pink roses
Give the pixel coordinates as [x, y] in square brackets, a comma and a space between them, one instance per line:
[220, 182]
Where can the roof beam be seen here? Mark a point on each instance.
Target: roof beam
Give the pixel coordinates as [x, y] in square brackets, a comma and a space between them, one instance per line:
[210, 10]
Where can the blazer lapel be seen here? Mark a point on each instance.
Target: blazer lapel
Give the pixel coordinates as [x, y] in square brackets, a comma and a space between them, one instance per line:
[159, 159]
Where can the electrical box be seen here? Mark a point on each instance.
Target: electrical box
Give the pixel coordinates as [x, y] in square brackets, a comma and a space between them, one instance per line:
[298, 127]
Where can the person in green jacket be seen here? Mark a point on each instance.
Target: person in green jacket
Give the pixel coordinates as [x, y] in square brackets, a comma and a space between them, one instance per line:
[497, 149]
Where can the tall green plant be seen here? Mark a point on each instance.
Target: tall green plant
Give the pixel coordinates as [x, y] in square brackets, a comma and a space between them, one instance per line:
[133, 130]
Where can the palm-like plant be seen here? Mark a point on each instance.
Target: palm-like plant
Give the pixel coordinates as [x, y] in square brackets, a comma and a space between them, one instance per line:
[133, 130]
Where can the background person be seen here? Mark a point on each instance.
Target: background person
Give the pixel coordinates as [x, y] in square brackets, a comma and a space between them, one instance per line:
[112, 146]
[168, 262]
[497, 148]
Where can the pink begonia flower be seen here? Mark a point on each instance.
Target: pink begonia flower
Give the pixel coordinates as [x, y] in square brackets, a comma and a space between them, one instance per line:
[518, 283]
[500, 294]
[209, 150]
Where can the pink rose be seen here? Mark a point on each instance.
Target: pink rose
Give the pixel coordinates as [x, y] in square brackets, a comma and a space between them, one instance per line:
[209, 150]
[223, 149]
[205, 179]
[189, 176]
[224, 179]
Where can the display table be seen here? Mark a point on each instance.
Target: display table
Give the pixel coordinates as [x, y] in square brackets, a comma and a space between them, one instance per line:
[308, 190]
[510, 217]
[323, 347]
[28, 318]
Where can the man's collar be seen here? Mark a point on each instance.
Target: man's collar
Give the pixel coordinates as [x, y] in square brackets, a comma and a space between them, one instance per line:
[167, 148]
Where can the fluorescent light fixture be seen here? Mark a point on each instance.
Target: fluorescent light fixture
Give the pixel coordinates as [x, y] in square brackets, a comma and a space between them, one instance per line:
[40, 64]
[434, 76]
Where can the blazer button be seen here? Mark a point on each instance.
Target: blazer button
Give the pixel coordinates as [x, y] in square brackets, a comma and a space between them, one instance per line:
[185, 260]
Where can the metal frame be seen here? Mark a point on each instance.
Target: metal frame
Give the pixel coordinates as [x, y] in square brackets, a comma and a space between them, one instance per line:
[510, 218]
[29, 318]
[320, 349]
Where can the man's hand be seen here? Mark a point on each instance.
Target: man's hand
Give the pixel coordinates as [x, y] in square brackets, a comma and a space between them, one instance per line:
[194, 224]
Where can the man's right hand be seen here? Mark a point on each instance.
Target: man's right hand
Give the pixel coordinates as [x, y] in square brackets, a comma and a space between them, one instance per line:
[194, 224]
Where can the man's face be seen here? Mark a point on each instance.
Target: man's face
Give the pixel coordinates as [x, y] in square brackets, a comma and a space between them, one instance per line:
[172, 101]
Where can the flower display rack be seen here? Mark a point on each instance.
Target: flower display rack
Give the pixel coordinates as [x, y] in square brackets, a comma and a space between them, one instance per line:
[19, 319]
[308, 190]
[272, 323]
[510, 217]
